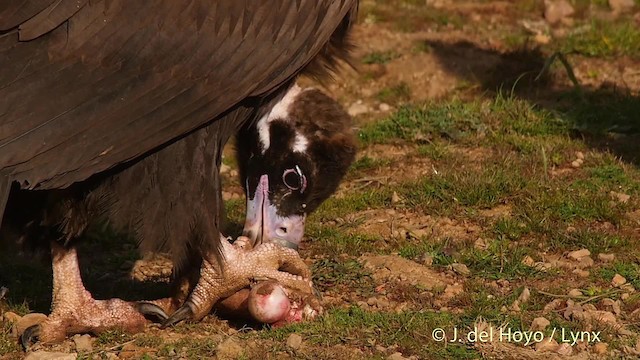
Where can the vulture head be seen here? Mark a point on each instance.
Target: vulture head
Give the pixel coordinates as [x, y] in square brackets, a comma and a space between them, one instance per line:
[291, 160]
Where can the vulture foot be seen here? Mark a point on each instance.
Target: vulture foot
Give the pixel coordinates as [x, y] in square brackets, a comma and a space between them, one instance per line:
[271, 268]
[74, 310]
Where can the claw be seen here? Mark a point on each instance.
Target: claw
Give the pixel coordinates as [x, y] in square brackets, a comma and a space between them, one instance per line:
[29, 336]
[151, 310]
[183, 313]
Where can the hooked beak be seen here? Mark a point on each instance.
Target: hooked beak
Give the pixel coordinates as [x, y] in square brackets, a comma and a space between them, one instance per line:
[264, 225]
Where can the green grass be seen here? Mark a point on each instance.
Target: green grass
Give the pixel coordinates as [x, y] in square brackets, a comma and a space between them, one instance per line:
[605, 40]
[395, 94]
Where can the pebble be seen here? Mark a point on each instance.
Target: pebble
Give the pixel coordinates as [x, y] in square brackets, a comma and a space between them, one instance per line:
[618, 280]
[358, 108]
[581, 273]
[618, 6]
[384, 107]
[580, 155]
[461, 269]
[564, 349]
[547, 344]
[557, 10]
[294, 341]
[83, 343]
[47, 355]
[620, 197]
[539, 324]
[396, 356]
[426, 259]
[575, 293]
[525, 295]
[606, 257]
[579, 254]
[600, 348]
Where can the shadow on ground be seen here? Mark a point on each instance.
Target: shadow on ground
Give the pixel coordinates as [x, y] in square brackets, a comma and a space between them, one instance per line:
[606, 118]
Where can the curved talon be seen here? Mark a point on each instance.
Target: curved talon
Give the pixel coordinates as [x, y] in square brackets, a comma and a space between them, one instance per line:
[183, 313]
[29, 336]
[152, 310]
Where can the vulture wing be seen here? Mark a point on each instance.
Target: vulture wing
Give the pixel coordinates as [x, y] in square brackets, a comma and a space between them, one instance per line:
[86, 85]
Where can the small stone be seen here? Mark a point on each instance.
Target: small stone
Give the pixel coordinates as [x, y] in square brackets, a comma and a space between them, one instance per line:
[528, 260]
[580, 155]
[606, 257]
[525, 295]
[620, 197]
[618, 6]
[581, 273]
[83, 343]
[384, 107]
[229, 349]
[28, 321]
[294, 341]
[358, 108]
[481, 244]
[224, 168]
[542, 39]
[461, 269]
[426, 259]
[547, 344]
[515, 307]
[579, 254]
[47, 355]
[539, 324]
[575, 293]
[396, 356]
[553, 305]
[600, 348]
[564, 349]
[576, 163]
[618, 280]
[395, 198]
[586, 262]
[556, 10]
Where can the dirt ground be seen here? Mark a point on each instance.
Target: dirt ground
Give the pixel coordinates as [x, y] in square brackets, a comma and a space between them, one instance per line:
[471, 234]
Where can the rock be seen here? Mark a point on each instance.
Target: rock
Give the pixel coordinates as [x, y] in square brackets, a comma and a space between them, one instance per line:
[528, 260]
[555, 304]
[395, 198]
[547, 344]
[581, 273]
[618, 280]
[515, 307]
[480, 244]
[28, 321]
[396, 356]
[606, 257]
[557, 10]
[586, 262]
[83, 343]
[600, 348]
[564, 349]
[46, 355]
[575, 293]
[618, 6]
[426, 259]
[525, 295]
[461, 269]
[539, 324]
[358, 108]
[224, 168]
[580, 155]
[620, 197]
[542, 39]
[294, 341]
[579, 254]
[384, 107]
[229, 349]
[576, 163]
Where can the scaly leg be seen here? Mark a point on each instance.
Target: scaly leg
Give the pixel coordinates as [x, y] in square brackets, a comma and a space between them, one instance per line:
[74, 310]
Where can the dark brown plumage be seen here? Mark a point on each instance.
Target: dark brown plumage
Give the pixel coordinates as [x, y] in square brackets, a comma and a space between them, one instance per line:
[122, 108]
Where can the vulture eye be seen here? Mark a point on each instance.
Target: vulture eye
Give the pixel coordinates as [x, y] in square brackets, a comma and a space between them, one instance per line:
[294, 179]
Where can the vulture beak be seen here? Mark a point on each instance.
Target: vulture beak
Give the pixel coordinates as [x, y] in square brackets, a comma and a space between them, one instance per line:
[264, 225]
